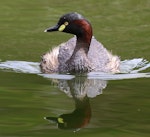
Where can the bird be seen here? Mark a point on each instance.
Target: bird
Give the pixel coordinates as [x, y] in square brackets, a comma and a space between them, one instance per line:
[80, 54]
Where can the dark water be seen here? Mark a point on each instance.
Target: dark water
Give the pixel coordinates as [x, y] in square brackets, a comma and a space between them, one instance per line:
[35, 104]
[108, 106]
[88, 106]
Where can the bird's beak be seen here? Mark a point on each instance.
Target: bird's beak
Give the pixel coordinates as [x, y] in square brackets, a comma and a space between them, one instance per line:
[54, 28]
[52, 119]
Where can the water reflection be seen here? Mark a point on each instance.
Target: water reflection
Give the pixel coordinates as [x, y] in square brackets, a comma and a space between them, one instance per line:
[77, 119]
[80, 89]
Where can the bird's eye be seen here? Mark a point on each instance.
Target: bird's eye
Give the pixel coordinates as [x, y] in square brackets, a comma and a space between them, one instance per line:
[66, 23]
[63, 26]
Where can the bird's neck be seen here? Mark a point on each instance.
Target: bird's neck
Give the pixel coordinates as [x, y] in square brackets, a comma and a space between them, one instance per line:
[84, 35]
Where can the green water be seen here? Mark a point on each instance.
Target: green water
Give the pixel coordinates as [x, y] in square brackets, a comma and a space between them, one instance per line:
[123, 26]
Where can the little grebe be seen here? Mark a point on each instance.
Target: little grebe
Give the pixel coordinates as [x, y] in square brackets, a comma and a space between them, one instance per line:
[82, 53]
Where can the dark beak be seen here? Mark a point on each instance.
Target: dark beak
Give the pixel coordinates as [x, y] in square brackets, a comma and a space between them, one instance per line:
[52, 119]
[54, 28]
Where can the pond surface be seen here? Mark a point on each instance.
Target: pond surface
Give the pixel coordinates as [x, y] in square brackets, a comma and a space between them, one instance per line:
[96, 104]
[74, 105]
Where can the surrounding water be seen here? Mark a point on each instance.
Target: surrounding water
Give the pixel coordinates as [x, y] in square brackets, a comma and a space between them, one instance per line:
[90, 105]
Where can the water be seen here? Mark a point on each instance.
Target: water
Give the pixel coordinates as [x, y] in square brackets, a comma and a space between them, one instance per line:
[96, 100]
[96, 104]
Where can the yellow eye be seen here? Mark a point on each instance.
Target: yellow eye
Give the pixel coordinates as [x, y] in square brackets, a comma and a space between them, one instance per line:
[66, 23]
[63, 26]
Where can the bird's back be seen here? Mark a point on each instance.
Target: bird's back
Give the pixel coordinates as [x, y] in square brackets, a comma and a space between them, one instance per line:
[100, 58]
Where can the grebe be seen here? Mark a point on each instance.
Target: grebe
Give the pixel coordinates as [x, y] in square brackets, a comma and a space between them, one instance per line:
[82, 53]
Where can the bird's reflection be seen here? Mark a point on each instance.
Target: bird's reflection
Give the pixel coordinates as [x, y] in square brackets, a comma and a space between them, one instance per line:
[79, 118]
[80, 89]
